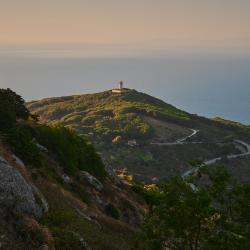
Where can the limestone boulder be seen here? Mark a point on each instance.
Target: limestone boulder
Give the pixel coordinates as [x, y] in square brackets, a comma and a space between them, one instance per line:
[18, 195]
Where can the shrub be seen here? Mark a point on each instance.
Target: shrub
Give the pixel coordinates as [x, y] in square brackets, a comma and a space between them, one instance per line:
[112, 211]
[67, 240]
[214, 216]
[150, 195]
[20, 140]
[11, 108]
[71, 150]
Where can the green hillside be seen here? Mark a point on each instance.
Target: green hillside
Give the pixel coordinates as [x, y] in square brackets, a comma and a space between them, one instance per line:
[111, 120]
[56, 192]
[106, 114]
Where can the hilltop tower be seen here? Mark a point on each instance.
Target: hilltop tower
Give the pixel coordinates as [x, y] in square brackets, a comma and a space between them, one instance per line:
[120, 88]
[121, 85]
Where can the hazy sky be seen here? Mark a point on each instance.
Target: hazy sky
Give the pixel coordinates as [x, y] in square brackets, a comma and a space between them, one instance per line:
[133, 24]
[192, 53]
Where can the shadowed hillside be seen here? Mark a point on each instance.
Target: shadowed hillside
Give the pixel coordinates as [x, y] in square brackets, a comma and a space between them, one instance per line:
[134, 131]
[55, 191]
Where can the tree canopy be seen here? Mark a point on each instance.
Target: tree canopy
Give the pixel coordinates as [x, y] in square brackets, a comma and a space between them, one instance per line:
[215, 216]
[72, 151]
[12, 108]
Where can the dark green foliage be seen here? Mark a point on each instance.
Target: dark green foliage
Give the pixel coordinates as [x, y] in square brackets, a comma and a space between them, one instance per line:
[58, 218]
[71, 150]
[18, 136]
[80, 191]
[112, 211]
[215, 216]
[20, 140]
[11, 108]
[67, 240]
[151, 197]
[64, 238]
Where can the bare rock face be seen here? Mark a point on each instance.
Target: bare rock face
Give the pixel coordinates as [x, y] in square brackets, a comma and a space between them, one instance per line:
[18, 161]
[19, 196]
[112, 174]
[85, 176]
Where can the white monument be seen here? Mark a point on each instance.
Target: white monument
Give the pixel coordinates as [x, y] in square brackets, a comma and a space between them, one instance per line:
[120, 88]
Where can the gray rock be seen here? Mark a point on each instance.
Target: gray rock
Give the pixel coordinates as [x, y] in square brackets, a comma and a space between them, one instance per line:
[84, 244]
[18, 161]
[66, 178]
[39, 197]
[85, 176]
[41, 147]
[19, 196]
[2, 160]
[100, 203]
[111, 173]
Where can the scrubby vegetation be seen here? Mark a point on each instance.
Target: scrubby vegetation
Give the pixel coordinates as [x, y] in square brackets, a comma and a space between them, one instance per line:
[110, 121]
[105, 115]
[50, 154]
[215, 215]
[12, 108]
[53, 157]
[71, 150]
[112, 211]
[22, 133]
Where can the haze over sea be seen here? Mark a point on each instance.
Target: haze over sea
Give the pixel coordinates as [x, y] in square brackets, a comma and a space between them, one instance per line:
[206, 83]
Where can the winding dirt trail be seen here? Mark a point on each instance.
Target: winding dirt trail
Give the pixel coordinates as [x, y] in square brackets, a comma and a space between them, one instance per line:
[178, 141]
[214, 160]
[243, 144]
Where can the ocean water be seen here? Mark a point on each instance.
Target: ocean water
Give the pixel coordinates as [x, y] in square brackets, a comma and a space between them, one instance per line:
[206, 84]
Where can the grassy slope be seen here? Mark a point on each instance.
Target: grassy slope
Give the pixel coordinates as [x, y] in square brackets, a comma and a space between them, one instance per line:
[69, 204]
[105, 114]
[134, 115]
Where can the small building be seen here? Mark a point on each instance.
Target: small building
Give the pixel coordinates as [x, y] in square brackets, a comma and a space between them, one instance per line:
[120, 88]
[132, 143]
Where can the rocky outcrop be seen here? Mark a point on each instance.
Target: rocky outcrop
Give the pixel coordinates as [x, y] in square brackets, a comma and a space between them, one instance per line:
[84, 244]
[2, 160]
[66, 178]
[18, 195]
[87, 177]
[18, 161]
[41, 147]
[111, 173]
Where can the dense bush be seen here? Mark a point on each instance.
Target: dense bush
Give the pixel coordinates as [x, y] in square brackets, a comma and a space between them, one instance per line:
[215, 215]
[65, 238]
[112, 211]
[151, 197]
[20, 140]
[72, 151]
[13, 131]
[11, 108]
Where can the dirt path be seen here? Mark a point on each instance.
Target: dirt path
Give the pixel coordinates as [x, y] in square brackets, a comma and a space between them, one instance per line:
[178, 141]
[214, 160]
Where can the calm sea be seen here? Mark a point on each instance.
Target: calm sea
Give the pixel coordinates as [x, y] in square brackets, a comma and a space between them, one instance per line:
[209, 85]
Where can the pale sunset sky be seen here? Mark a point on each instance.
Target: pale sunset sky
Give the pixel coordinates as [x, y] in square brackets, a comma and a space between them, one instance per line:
[127, 24]
[194, 54]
